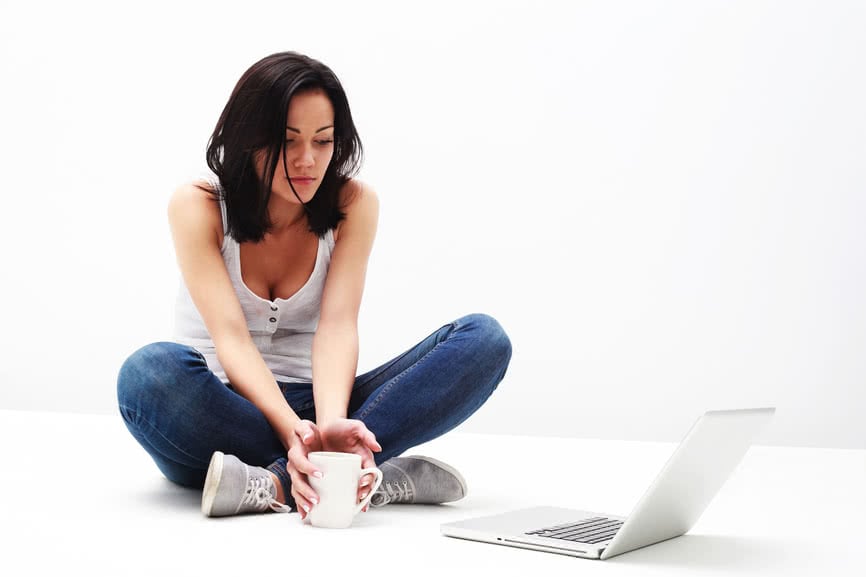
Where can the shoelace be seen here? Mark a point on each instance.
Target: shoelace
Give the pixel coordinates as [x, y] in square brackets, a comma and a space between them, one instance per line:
[258, 495]
[395, 493]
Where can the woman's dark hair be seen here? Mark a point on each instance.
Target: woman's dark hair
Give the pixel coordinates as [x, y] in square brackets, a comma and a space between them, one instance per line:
[254, 119]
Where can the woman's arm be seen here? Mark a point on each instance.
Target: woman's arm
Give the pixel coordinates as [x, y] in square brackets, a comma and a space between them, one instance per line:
[196, 226]
[335, 344]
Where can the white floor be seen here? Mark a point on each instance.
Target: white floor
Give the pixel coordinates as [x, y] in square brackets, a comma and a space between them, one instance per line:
[78, 494]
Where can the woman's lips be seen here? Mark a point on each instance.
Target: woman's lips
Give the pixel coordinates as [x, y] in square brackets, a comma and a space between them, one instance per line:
[302, 180]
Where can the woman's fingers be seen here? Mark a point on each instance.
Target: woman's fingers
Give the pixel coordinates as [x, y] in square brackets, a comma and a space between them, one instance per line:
[300, 468]
[362, 493]
[303, 465]
[366, 484]
[367, 459]
[298, 453]
[302, 504]
[304, 497]
[306, 431]
[301, 487]
[366, 436]
[371, 442]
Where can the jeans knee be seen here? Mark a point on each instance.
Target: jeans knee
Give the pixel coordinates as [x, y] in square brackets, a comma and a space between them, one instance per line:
[491, 339]
[144, 372]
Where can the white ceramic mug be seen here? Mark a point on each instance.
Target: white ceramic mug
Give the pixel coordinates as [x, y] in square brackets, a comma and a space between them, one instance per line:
[338, 488]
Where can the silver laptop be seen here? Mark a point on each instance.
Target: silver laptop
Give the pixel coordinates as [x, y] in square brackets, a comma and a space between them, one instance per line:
[673, 503]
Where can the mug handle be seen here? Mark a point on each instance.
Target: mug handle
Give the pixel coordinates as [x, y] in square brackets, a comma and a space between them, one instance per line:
[366, 500]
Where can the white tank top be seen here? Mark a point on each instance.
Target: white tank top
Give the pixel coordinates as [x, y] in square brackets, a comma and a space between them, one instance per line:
[282, 329]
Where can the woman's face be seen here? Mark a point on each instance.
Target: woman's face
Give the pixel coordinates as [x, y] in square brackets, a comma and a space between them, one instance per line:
[308, 147]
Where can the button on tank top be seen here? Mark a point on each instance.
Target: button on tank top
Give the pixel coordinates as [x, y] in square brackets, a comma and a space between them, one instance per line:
[281, 329]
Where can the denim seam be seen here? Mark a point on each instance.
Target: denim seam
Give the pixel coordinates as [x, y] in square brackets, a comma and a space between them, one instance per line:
[399, 377]
[140, 419]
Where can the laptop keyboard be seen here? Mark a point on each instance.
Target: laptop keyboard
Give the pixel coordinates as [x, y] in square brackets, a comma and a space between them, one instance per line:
[594, 531]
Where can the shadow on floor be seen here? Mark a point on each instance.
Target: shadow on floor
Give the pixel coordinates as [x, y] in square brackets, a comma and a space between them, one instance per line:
[720, 552]
[169, 496]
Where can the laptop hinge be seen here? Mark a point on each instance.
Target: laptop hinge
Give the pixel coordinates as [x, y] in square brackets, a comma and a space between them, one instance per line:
[589, 552]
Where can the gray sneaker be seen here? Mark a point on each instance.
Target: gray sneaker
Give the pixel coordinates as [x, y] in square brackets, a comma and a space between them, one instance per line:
[418, 480]
[232, 488]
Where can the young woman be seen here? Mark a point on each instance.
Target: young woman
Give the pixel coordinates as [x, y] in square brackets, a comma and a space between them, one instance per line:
[273, 255]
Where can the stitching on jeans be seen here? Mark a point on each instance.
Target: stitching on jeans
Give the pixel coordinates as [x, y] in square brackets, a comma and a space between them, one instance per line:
[399, 377]
[395, 360]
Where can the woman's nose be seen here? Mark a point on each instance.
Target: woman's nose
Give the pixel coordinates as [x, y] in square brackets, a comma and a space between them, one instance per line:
[305, 158]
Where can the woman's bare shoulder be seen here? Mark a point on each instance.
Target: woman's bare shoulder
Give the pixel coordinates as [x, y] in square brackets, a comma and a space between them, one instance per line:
[360, 203]
[355, 192]
[194, 204]
[192, 190]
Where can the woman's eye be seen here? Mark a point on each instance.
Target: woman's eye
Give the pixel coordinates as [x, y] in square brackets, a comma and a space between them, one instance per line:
[319, 142]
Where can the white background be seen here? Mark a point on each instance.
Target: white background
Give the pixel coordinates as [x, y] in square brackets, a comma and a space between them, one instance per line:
[660, 201]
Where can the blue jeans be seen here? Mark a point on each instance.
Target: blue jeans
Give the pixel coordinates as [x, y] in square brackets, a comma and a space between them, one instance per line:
[180, 412]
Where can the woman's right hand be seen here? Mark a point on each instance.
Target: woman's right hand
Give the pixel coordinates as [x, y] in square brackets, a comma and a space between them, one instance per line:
[305, 439]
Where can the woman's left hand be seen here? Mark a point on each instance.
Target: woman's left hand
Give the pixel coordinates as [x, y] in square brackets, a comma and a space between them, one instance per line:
[352, 436]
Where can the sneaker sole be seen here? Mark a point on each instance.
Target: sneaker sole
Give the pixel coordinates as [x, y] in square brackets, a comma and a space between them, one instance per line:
[211, 483]
[448, 468]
